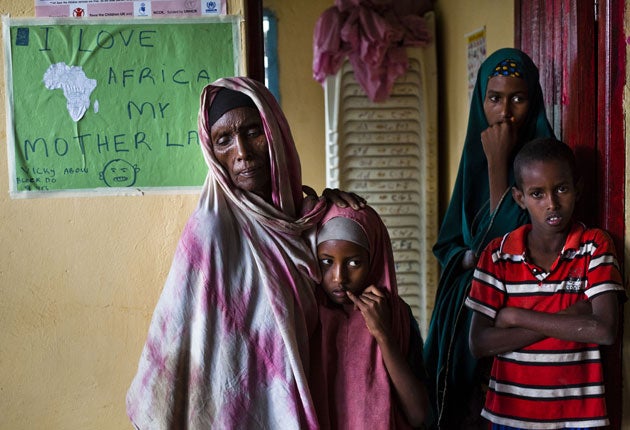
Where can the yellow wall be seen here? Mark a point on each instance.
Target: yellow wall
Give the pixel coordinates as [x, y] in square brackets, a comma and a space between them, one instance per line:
[302, 97]
[455, 19]
[79, 278]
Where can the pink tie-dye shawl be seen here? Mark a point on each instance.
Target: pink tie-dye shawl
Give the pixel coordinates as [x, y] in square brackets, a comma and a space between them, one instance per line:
[228, 343]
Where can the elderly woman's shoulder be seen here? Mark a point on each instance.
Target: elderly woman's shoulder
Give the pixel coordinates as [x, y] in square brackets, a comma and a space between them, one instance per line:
[207, 229]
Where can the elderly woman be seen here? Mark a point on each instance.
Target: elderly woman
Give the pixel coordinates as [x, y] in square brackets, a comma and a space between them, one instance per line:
[228, 342]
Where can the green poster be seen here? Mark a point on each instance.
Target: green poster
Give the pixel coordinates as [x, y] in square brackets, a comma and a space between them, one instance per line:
[110, 107]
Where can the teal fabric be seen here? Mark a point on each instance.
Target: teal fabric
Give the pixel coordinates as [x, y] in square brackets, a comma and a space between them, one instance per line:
[468, 224]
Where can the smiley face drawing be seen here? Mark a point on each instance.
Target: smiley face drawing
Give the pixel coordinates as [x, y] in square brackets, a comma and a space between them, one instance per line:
[119, 173]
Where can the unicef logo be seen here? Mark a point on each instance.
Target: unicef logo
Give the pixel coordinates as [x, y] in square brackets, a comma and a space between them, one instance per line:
[211, 7]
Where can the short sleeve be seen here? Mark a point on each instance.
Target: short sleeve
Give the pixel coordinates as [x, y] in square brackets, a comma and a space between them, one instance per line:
[487, 292]
[603, 274]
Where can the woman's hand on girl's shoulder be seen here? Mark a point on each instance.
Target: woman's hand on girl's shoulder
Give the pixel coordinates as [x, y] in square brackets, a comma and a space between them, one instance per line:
[343, 198]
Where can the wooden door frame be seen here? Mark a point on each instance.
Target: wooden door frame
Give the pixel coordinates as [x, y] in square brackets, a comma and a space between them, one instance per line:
[583, 68]
[254, 40]
[611, 165]
[611, 133]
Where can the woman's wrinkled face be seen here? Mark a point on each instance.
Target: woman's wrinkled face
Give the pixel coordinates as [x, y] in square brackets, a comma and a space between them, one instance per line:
[345, 266]
[240, 146]
[507, 99]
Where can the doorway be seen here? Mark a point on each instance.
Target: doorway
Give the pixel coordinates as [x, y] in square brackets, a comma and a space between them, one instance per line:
[581, 54]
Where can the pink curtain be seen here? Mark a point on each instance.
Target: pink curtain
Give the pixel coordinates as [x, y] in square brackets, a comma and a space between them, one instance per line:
[373, 35]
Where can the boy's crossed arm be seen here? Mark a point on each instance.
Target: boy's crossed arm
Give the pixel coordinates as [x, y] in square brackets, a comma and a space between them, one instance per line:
[515, 328]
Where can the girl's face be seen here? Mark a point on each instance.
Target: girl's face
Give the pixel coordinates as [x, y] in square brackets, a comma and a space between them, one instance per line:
[345, 267]
[506, 100]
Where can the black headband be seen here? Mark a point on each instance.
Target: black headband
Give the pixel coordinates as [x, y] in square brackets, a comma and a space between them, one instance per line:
[225, 100]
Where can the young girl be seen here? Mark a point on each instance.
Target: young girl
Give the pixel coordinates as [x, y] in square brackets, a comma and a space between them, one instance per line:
[366, 367]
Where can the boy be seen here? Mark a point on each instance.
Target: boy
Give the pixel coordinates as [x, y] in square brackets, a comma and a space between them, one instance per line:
[545, 297]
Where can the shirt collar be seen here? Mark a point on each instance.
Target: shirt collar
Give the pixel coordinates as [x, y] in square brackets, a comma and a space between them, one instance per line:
[514, 243]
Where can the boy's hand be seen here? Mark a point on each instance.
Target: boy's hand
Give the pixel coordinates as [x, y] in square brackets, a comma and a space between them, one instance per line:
[580, 308]
[507, 317]
[374, 307]
[504, 318]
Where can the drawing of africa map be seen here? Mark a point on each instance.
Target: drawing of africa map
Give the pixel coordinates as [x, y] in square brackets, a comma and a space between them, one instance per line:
[76, 87]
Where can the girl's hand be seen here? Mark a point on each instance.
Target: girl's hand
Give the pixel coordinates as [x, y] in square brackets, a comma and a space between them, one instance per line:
[374, 307]
[499, 141]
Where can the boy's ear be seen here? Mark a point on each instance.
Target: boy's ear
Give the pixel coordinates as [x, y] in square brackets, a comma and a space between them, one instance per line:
[518, 197]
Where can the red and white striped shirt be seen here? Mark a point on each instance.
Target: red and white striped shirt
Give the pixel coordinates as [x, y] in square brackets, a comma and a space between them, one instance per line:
[552, 383]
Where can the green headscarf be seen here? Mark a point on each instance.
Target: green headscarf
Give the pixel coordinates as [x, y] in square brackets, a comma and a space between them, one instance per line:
[472, 193]
[469, 224]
